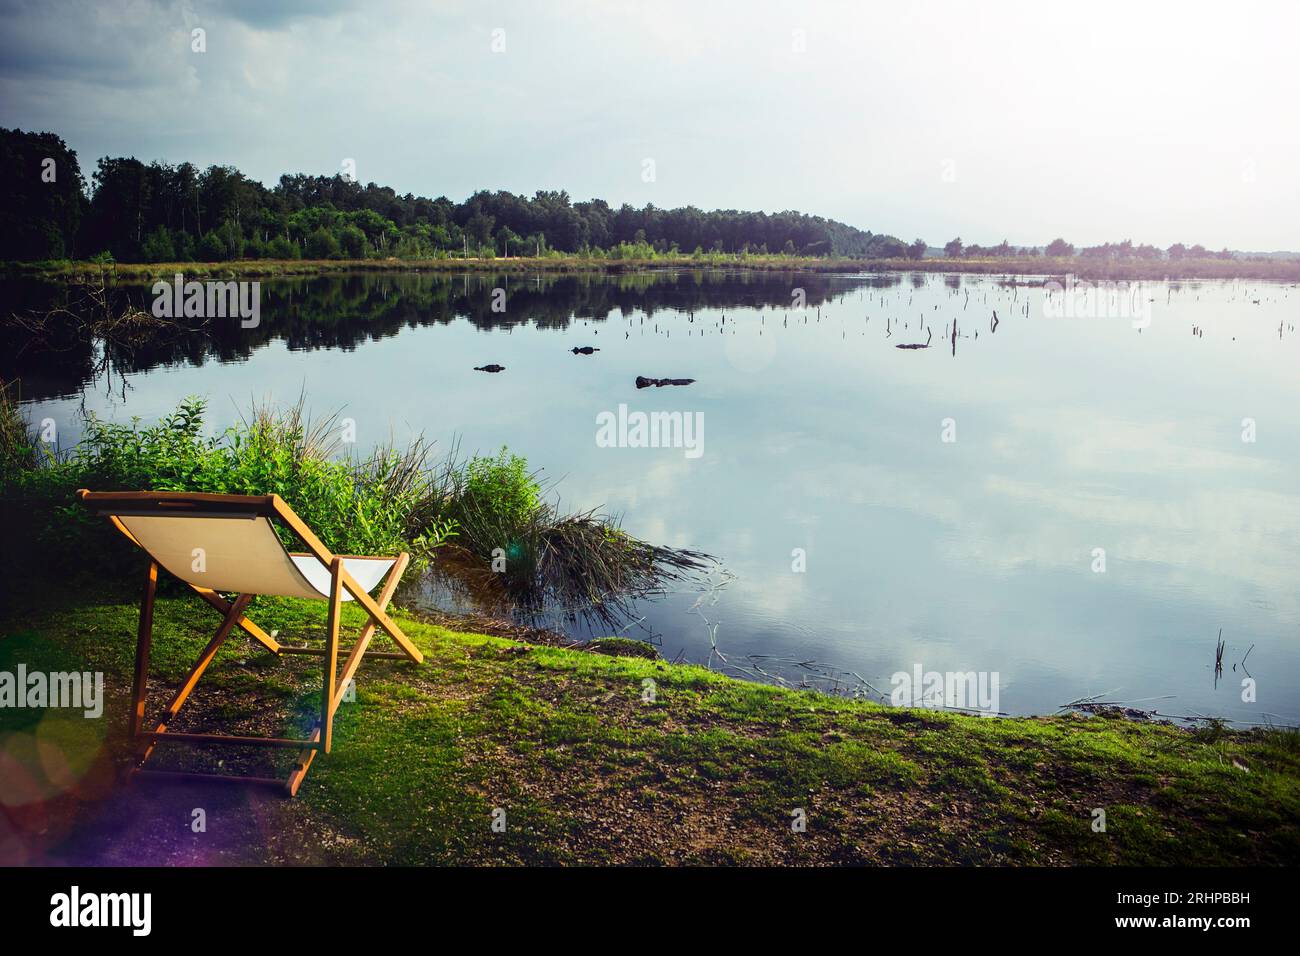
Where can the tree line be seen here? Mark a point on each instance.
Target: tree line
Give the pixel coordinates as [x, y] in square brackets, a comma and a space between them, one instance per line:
[133, 211]
[1059, 248]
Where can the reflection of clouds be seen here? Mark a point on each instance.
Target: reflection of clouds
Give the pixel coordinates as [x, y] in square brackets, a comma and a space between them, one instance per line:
[1236, 531]
[1249, 536]
[737, 541]
[750, 353]
[878, 486]
[776, 595]
[1087, 442]
[1229, 542]
[780, 443]
[646, 476]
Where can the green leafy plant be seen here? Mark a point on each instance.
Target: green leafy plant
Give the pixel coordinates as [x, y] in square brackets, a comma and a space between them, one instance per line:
[482, 524]
[379, 505]
[502, 488]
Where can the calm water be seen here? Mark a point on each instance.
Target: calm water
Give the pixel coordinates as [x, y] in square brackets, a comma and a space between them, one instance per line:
[1072, 434]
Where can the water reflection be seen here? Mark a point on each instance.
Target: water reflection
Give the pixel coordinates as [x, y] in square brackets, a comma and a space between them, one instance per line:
[1070, 434]
[345, 311]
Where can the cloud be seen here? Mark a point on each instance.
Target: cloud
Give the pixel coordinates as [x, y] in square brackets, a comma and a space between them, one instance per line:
[88, 45]
[278, 15]
[1034, 114]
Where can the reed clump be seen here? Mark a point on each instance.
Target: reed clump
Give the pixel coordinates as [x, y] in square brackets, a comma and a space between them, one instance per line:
[482, 524]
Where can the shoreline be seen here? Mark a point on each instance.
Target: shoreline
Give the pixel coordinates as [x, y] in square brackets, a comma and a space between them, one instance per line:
[1261, 270]
[707, 770]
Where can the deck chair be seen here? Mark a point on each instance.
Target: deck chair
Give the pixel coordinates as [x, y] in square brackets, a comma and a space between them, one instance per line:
[227, 544]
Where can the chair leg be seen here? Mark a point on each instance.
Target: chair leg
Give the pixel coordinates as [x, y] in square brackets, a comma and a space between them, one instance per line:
[232, 617]
[305, 758]
[255, 632]
[327, 704]
[332, 686]
[143, 642]
[368, 632]
[377, 613]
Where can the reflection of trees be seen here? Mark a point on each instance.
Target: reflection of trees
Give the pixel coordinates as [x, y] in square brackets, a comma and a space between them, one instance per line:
[329, 312]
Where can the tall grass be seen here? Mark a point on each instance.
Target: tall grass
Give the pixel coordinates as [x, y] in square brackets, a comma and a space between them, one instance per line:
[514, 549]
[482, 524]
[633, 257]
[377, 505]
[17, 442]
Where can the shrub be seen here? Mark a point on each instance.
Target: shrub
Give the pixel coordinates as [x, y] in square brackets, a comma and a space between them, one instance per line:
[211, 248]
[501, 488]
[379, 505]
[462, 520]
[353, 242]
[282, 248]
[17, 445]
[183, 246]
[157, 246]
[321, 244]
[512, 549]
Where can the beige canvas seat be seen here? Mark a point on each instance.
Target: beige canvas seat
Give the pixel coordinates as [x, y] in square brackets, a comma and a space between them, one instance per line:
[228, 544]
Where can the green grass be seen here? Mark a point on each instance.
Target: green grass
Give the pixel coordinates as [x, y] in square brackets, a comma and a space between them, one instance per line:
[590, 768]
[483, 523]
[1280, 270]
[379, 505]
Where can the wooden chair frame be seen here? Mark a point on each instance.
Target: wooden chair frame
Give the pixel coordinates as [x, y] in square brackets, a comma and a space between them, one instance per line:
[333, 684]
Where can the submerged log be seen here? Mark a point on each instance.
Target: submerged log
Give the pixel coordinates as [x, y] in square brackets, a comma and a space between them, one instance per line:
[643, 382]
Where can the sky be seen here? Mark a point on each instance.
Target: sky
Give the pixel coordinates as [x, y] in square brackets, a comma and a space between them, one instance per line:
[1154, 121]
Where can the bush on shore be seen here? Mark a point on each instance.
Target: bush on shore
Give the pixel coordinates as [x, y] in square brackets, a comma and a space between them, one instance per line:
[483, 524]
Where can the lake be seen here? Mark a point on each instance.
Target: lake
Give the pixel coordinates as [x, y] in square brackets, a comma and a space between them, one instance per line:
[1077, 496]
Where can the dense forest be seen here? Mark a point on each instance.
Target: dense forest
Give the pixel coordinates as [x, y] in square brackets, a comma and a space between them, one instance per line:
[157, 212]
[131, 211]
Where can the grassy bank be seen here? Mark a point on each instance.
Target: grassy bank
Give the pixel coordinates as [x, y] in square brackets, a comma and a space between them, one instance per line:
[463, 517]
[588, 770]
[1278, 270]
